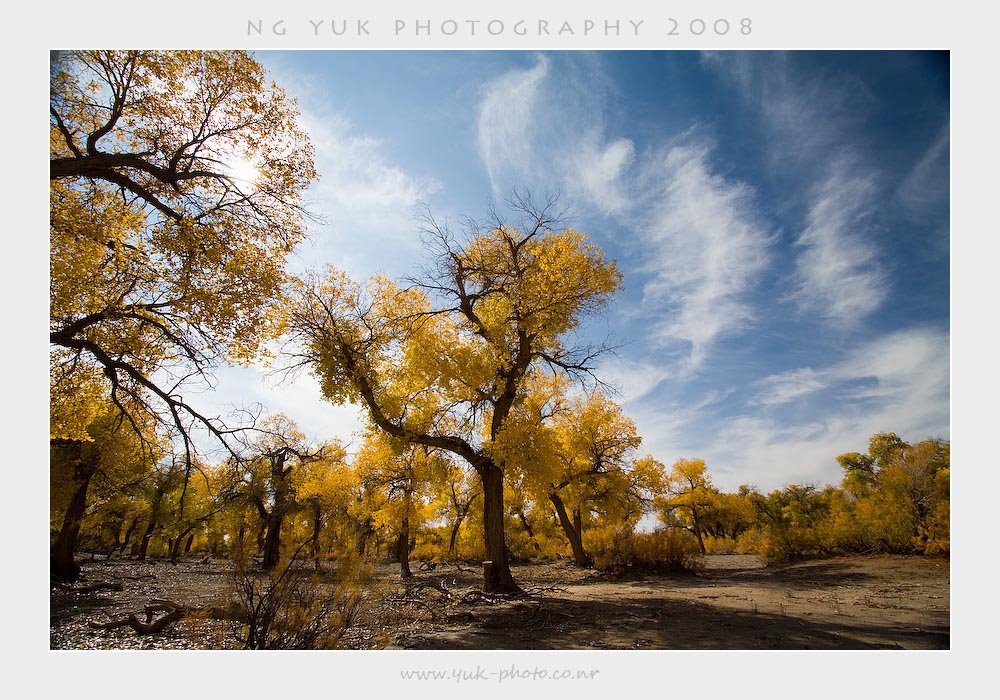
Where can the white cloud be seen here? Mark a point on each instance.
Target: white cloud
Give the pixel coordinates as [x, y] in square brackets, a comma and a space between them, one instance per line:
[367, 204]
[782, 388]
[804, 117]
[698, 232]
[927, 184]
[633, 380]
[598, 173]
[705, 249]
[508, 116]
[911, 373]
[898, 382]
[837, 275]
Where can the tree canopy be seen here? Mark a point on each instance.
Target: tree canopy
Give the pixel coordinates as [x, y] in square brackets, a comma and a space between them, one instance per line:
[176, 193]
[443, 359]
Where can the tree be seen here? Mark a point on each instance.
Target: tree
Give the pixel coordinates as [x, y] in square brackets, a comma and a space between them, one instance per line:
[325, 488]
[176, 181]
[396, 476]
[108, 449]
[690, 496]
[278, 450]
[860, 469]
[457, 491]
[443, 361]
[590, 457]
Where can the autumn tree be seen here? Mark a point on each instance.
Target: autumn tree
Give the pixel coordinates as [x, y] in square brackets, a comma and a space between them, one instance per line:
[441, 360]
[690, 496]
[397, 475]
[278, 448]
[457, 490]
[176, 182]
[582, 449]
[107, 452]
[325, 488]
[902, 497]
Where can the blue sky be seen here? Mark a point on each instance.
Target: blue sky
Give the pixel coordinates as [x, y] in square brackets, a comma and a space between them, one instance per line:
[781, 221]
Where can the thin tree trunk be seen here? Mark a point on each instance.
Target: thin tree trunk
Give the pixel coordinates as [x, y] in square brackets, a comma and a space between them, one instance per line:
[187, 545]
[453, 539]
[697, 529]
[403, 549]
[362, 532]
[527, 528]
[497, 578]
[580, 556]
[128, 534]
[175, 548]
[317, 525]
[134, 549]
[146, 537]
[461, 513]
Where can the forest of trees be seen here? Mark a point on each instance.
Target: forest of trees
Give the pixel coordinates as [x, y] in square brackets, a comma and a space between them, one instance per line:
[489, 438]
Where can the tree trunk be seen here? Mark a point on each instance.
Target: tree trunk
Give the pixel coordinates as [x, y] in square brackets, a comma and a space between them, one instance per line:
[453, 540]
[63, 568]
[175, 548]
[573, 534]
[317, 525]
[128, 535]
[146, 537]
[362, 532]
[187, 545]
[403, 549]
[83, 458]
[460, 513]
[272, 540]
[134, 549]
[527, 528]
[496, 578]
[697, 529]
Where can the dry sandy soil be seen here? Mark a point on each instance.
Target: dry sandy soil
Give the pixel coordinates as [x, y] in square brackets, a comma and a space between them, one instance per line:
[878, 602]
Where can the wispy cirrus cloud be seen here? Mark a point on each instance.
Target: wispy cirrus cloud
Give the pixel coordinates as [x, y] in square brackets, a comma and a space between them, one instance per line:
[367, 203]
[903, 366]
[702, 244]
[898, 381]
[778, 389]
[837, 274]
[926, 186]
[802, 116]
[706, 249]
[543, 128]
[507, 121]
[810, 119]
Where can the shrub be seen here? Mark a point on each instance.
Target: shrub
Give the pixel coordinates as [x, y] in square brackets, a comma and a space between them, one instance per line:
[719, 545]
[670, 550]
[291, 607]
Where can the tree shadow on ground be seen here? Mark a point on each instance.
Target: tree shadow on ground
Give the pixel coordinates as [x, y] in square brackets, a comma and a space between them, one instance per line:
[638, 623]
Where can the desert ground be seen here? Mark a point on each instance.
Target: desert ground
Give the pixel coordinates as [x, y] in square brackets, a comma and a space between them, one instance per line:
[735, 602]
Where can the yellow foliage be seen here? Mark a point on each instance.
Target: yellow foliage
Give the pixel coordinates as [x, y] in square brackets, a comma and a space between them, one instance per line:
[667, 549]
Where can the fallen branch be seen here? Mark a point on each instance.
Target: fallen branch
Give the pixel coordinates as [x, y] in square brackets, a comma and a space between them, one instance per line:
[172, 612]
[99, 586]
[422, 603]
[427, 585]
[151, 627]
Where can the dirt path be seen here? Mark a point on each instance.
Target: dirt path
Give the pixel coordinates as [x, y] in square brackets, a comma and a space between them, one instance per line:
[736, 603]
